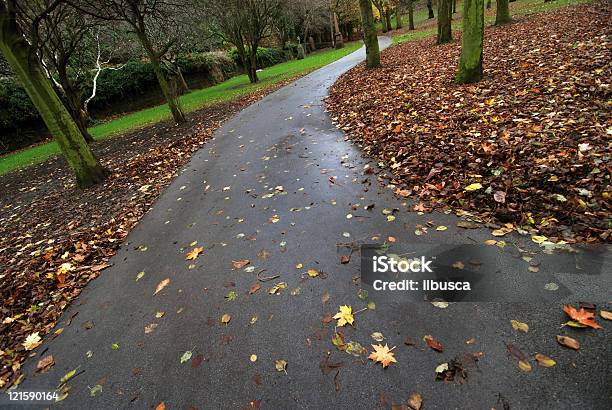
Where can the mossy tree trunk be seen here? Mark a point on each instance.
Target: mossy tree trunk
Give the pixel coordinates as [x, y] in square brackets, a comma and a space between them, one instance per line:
[444, 21]
[388, 18]
[398, 17]
[74, 103]
[470, 63]
[22, 58]
[369, 34]
[410, 15]
[430, 9]
[155, 59]
[502, 13]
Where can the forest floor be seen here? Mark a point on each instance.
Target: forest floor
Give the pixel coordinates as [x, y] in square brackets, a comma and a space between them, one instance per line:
[44, 218]
[527, 148]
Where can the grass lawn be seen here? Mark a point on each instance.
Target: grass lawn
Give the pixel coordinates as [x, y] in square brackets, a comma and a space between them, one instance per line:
[227, 91]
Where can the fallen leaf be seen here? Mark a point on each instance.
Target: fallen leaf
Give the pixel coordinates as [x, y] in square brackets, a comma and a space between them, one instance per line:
[226, 318]
[161, 406]
[253, 358]
[241, 263]
[605, 314]
[68, 375]
[344, 316]
[254, 288]
[433, 343]
[344, 259]
[383, 355]
[516, 325]
[581, 316]
[44, 363]
[186, 356]
[161, 285]
[415, 401]
[544, 361]
[194, 253]
[568, 342]
[32, 341]
[473, 187]
[150, 328]
[524, 365]
[281, 365]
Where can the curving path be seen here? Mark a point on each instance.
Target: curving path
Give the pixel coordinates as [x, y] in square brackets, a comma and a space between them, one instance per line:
[223, 201]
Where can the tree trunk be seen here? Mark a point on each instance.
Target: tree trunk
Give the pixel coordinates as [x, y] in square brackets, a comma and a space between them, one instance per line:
[23, 60]
[470, 63]
[388, 19]
[444, 21]
[430, 9]
[381, 12]
[251, 64]
[74, 104]
[410, 15]
[171, 98]
[369, 34]
[454, 6]
[339, 38]
[398, 17]
[502, 13]
[488, 4]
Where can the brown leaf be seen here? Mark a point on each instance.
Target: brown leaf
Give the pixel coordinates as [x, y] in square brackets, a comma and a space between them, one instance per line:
[161, 406]
[433, 343]
[568, 342]
[194, 253]
[344, 259]
[605, 314]
[45, 363]
[197, 360]
[254, 288]
[241, 263]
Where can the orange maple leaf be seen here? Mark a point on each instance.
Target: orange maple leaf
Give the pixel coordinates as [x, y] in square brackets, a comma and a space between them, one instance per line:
[383, 355]
[581, 316]
[194, 253]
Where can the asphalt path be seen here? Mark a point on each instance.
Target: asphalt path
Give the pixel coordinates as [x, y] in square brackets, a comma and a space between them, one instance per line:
[281, 187]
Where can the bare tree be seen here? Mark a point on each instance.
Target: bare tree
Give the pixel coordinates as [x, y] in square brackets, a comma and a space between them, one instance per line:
[154, 23]
[22, 55]
[243, 23]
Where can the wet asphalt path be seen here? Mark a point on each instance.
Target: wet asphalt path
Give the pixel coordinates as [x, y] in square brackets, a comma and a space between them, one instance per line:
[229, 199]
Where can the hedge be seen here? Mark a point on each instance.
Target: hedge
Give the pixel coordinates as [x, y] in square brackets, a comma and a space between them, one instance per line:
[266, 57]
[20, 124]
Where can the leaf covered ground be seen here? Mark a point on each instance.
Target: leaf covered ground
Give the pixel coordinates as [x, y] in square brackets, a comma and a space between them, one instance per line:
[55, 238]
[527, 147]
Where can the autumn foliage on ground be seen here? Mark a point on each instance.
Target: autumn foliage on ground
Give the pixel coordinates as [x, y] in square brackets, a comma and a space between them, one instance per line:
[55, 238]
[528, 146]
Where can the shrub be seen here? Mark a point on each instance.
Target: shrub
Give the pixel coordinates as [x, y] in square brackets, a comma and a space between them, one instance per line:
[266, 57]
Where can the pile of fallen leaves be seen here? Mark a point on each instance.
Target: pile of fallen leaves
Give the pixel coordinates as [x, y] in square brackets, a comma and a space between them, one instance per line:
[55, 238]
[528, 146]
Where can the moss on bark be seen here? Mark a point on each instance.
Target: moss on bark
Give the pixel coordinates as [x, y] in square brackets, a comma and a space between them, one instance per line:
[470, 63]
[369, 34]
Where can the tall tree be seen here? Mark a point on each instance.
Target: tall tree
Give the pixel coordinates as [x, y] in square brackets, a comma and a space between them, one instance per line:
[410, 14]
[380, 6]
[153, 22]
[398, 14]
[470, 63]
[445, 14]
[64, 40]
[243, 23]
[22, 56]
[430, 9]
[369, 34]
[502, 13]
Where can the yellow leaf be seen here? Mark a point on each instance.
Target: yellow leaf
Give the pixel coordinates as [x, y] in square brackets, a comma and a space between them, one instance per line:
[313, 273]
[473, 187]
[281, 365]
[544, 361]
[516, 325]
[490, 242]
[524, 366]
[345, 315]
[605, 314]
[382, 355]
[32, 341]
[538, 239]
[441, 228]
[253, 358]
[194, 253]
